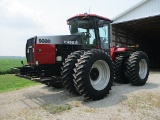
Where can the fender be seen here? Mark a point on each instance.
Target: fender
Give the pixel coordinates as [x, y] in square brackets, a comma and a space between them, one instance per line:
[114, 51]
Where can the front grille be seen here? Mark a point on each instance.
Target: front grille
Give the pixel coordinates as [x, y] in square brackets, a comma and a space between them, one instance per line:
[30, 50]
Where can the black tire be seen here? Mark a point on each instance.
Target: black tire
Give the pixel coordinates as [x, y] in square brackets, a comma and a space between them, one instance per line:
[119, 69]
[68, 70]
[91, 77]
[137, 68]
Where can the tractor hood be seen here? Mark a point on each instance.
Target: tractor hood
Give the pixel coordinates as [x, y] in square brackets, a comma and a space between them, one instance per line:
[61, 39]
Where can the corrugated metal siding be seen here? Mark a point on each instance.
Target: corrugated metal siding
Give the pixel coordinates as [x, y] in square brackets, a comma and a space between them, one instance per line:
[121, 38]
[146, 9]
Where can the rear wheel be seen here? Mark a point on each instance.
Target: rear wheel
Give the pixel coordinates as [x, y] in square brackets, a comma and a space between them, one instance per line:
[94, 74]
[119, 69]
[67, 71]
[137, 68]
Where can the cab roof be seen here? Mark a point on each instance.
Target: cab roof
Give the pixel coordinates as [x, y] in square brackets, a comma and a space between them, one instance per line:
[92, 15]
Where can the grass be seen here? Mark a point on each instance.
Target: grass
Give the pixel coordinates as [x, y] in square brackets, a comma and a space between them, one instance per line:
[75, 103]
[142, 102]
[88, 110]
[56, 109]
[10, 82]
[6, 64]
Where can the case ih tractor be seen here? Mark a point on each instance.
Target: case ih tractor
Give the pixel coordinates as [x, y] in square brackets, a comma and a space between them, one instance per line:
[83, 62]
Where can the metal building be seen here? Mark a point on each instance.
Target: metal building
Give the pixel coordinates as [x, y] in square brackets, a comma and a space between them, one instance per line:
[140, 25]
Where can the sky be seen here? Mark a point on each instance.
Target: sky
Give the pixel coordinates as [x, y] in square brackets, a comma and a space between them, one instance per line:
[23, 19]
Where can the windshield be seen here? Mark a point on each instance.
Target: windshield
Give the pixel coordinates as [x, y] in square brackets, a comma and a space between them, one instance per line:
[86, 29]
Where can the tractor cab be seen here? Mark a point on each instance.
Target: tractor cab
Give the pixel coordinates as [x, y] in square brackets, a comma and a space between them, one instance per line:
[93, 29]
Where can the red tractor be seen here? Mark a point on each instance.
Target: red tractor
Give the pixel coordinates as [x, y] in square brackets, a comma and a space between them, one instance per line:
[84, 62]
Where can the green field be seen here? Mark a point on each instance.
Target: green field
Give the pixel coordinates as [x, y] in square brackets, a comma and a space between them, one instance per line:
[9, 82]
[7, 63]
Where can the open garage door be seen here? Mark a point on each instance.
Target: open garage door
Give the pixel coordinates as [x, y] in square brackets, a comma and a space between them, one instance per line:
[145, 32]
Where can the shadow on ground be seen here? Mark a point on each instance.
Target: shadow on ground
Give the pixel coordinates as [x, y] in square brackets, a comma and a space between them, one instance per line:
[60, 96]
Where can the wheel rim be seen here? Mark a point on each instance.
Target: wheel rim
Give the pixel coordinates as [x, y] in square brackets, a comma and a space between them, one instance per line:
[99, 75]
[143, 68]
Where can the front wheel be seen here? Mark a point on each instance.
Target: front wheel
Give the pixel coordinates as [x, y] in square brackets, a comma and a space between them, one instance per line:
[94, 74]
[67, 71]
[137, 68]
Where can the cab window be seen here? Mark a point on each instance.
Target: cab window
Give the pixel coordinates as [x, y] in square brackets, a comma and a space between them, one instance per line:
[104, 35]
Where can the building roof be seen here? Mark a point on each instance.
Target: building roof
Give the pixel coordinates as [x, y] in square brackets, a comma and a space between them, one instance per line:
[143, 9]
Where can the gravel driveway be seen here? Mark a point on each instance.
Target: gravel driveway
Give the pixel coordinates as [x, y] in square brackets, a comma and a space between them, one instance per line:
[124, 102]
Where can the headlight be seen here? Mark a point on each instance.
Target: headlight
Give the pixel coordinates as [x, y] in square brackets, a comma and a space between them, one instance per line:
[59, 58]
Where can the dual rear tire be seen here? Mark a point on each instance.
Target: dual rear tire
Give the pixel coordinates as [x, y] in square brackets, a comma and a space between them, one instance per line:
[133, 68]
[119, 69]
[137, 68]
